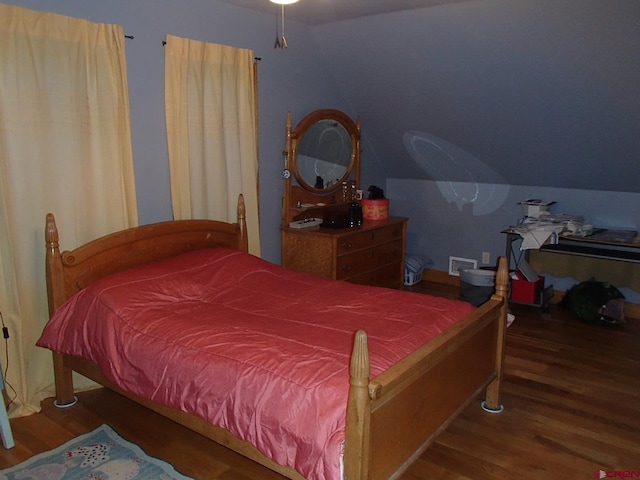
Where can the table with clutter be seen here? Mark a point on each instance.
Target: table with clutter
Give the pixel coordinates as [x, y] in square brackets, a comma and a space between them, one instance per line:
[541, 230]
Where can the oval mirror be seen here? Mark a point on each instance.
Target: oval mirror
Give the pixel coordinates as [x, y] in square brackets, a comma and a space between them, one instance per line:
[325, 147]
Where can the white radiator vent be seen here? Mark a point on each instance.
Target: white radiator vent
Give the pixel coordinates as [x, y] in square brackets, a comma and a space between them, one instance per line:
[457, 263]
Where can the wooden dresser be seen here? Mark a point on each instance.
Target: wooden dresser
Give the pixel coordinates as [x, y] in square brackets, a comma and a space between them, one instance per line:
[371, 254]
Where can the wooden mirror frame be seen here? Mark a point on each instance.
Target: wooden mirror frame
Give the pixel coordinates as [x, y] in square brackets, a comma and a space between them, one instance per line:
[303, 193]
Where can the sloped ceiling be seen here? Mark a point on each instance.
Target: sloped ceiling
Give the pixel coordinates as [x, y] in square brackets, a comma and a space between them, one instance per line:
[543, 93]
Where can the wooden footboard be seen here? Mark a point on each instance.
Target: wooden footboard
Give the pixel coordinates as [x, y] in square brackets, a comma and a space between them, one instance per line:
[391, 419]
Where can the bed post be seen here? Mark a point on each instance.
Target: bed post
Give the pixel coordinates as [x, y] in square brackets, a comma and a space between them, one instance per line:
[56, 296]
[356, 453]
[242, 222]
[53, 266]
[494, 390]
[286, 194]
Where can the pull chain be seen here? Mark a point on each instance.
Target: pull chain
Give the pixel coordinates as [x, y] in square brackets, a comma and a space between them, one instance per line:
[284, 40]
[281, 41]
[277, 44]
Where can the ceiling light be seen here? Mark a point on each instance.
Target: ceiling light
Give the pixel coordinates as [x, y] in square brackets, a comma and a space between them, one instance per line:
[283, 2]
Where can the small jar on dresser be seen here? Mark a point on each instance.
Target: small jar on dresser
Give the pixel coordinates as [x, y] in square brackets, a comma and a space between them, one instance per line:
[370, 254]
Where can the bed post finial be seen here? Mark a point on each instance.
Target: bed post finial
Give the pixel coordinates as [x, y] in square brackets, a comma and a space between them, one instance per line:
[502, 278]
[242, 222]
[356, 453]
[359, 368]
[53, 265]
[51, 233]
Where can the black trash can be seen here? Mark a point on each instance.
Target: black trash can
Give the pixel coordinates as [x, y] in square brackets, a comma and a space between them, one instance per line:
[477, 285]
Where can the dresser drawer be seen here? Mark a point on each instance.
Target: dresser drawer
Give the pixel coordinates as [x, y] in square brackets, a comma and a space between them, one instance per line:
[386, 276]
[368, 238]
[369, 258]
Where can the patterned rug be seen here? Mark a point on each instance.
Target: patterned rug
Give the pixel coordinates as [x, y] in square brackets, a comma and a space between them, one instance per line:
[98, 455]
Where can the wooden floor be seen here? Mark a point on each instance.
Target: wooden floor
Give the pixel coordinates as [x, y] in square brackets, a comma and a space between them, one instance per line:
[571, 397]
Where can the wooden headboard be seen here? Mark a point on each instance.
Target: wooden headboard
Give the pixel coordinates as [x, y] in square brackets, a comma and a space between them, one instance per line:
[70, 271]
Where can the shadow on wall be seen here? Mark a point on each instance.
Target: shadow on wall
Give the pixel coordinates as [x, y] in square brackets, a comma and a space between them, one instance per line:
[480, 186]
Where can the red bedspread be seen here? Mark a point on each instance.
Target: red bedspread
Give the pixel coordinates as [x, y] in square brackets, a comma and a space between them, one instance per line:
[252, 347]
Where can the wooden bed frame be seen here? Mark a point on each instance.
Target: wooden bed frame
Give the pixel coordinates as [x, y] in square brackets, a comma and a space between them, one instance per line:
[391, 419]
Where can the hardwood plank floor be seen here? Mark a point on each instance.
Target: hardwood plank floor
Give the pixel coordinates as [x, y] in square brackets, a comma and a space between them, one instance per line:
[571, 397]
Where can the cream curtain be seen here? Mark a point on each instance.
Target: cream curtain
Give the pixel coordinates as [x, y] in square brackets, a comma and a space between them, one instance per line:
[65, 148]
[211, 131]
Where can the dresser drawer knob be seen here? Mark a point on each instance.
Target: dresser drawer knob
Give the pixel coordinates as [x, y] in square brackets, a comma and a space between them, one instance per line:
[346, 268]
[346, 245]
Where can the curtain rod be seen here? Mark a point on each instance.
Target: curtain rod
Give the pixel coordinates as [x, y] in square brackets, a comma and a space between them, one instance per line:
[257, 59]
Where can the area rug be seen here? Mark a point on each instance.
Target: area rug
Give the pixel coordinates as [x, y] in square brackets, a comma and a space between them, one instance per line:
[98, 455]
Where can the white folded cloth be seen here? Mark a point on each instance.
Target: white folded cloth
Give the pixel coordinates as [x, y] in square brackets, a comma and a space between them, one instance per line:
[535, 235]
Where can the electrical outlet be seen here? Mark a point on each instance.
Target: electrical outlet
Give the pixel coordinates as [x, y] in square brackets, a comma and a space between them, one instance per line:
[486, 258]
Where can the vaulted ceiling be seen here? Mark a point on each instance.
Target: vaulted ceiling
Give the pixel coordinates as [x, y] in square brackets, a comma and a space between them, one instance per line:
[543, 93]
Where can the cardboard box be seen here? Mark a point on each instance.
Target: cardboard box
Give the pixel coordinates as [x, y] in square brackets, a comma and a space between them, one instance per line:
[532, 207]
[524, 291]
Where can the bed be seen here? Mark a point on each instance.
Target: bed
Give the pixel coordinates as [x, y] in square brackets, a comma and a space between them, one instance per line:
[387, 407]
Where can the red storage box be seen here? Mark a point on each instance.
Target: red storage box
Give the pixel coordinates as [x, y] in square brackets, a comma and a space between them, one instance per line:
[524, 291]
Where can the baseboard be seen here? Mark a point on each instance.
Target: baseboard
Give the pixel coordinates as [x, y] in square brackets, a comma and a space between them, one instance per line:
[631, 310]
[438, 276]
